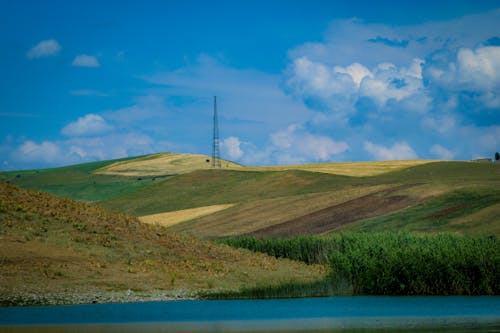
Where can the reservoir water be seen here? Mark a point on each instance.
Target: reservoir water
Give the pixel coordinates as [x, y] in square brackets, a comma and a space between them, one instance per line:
[334, 314]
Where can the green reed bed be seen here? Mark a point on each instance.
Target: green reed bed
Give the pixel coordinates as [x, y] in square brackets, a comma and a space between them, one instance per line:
[393, 263]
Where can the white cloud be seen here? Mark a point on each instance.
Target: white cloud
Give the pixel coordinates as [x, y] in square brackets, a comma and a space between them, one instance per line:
[480, 66]
[471, 73]
[231, 147]
[45, 152]
[472, 69]
[398, 151]
[357, 72]
[84, 149]
[390, 82]
[90, 124]
[443, 124]
[351, 40]
[442, 153]
[340, 88]
[84, 60]
[314, 79]
[297, 145]
[45, 48]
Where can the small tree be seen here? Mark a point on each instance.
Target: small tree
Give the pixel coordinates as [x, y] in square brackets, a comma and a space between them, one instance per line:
[497, 156]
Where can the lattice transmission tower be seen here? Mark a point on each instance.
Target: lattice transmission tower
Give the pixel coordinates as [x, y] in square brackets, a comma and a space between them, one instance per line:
[215, 147]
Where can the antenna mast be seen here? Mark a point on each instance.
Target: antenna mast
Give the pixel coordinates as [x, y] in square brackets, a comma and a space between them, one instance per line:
[215, 148]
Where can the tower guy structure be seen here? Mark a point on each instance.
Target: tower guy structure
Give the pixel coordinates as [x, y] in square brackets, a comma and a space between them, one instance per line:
[215, 144]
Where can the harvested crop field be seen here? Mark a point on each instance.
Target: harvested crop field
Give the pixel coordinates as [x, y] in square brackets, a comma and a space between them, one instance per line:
[250, 216]
[354, 169]
[161, 164]
[169, 219]
[328, 219]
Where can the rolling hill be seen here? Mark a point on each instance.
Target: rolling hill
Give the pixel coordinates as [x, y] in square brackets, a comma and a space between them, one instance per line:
[62, 251]
[161, 164]
[283, 200]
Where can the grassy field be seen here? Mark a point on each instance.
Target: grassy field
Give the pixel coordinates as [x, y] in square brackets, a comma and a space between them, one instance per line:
[76, 181]
[465, 211]
[162, 164]
[270, 202]
[214, 187]
[172, 163]
[353, 169]
[54, 244]
[265, 199]
[51, 245]
[253, 215]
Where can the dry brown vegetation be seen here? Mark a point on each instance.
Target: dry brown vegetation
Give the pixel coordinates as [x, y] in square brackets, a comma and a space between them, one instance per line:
[354, 169]
[169, 219]
[52, 245]
[162, 164]
[172, 163]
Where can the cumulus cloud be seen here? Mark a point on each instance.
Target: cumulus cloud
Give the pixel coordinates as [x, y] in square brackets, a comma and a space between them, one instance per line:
[442, 153]
[471, 74]
[421, 84]
[353, 40]
[84, 60]
[356, 71]
[338, 89]
[296, 145]
[45, 48]
[84, 149]
[231, 148]
[90, 124]
[30, 151]
[398, 151]
[311, 78]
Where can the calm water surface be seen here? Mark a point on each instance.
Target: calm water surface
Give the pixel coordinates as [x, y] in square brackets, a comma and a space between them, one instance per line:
[346, 314]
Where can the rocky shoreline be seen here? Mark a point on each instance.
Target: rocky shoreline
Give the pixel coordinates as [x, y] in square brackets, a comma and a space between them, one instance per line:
[73, 298]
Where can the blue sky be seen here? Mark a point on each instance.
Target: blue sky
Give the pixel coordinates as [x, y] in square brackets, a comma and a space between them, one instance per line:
[296, 81]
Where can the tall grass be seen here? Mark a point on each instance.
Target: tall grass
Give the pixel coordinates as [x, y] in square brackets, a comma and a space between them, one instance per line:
[395, 263]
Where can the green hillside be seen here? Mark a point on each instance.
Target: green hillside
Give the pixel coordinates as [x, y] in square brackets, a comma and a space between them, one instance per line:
[210, 187]
[274, 202]
[445, 213]
[76, 181]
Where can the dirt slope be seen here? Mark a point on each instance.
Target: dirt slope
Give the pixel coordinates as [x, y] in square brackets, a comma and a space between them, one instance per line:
[50, 245]
[328, 219]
